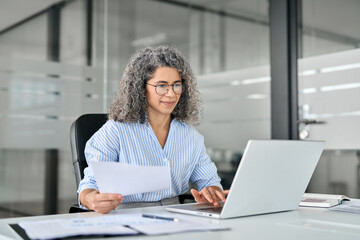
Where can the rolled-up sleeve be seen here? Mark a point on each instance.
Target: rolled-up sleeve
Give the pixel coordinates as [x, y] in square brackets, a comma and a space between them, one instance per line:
[102, 146]
[205, 171]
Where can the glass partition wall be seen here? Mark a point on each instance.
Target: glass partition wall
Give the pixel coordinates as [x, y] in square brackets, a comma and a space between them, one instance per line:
[329, 91]
[227, 44]
[68, 59]
[46, 83]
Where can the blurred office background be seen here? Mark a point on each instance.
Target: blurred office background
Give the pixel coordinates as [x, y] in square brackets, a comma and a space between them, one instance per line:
[61, 59]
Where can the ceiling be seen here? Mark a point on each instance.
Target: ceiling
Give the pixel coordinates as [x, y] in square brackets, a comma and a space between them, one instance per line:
[324, 18]
[13, 11]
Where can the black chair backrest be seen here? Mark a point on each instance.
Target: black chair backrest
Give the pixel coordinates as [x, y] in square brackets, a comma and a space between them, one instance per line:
[80, 132]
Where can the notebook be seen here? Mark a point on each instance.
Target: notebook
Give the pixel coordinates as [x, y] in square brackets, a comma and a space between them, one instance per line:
[272, 177]
[322, 200]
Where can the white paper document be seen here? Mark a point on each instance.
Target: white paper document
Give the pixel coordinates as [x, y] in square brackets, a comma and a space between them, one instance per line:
[352, 206]
[169, 227]
[126, 179]
[57, 228]
[126, 224]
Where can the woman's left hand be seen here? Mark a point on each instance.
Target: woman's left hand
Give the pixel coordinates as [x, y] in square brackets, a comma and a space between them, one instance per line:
[212, 194]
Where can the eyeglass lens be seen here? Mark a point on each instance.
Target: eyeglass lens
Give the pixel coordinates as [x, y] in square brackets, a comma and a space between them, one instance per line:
[163, 88]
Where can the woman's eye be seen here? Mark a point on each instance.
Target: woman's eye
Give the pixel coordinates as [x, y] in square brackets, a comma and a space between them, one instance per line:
[177, 85]
[162, 86]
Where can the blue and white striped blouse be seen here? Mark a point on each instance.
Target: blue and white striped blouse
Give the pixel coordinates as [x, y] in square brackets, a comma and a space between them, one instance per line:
[135, 143]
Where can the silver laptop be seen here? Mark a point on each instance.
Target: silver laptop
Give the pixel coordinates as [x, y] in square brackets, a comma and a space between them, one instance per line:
[272, 177]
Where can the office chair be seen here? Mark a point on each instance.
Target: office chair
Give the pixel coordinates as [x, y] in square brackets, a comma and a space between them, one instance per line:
[80, 132]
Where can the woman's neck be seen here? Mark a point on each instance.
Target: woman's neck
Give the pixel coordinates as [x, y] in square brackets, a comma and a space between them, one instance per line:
[160, 122]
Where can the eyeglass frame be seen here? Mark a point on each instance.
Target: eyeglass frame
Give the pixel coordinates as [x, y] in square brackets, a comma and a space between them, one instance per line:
[168, 85]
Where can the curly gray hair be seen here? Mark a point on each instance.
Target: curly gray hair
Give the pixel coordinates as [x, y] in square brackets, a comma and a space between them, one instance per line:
[130, 102]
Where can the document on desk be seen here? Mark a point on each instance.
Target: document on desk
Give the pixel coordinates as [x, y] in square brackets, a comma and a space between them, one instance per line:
[157, 227]
[57, 228]
[126, 179]
[125, 224]
[352, 206]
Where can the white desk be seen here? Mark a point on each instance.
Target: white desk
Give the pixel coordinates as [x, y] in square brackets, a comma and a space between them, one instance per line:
[301, 224]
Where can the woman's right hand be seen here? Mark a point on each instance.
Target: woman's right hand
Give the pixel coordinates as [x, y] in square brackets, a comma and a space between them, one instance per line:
[100, 202]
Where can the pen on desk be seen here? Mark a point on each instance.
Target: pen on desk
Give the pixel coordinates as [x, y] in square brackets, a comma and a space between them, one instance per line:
[160, 217]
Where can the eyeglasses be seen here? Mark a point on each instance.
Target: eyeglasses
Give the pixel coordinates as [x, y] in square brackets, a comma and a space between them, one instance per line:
[163, 88]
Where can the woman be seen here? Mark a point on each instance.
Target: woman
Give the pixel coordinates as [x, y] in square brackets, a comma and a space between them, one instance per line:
[150, 124]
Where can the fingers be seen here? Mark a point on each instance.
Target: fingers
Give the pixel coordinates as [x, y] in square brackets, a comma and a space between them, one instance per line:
[221, 195]
[213, 194]
[106, 202]
[210, 196]
[105, 207]
[195, 193]
[198, 197]
[108, 196]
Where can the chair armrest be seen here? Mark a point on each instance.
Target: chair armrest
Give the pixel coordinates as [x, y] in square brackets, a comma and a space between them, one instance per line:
[186, 198]
[76, 209]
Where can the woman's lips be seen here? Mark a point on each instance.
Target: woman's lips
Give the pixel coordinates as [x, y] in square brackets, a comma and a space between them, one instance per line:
[169, 104]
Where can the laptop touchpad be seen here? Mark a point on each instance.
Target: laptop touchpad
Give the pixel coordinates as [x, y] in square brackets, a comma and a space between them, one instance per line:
[211, 209]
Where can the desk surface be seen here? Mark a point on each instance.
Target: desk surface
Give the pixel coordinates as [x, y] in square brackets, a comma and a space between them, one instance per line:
[303, 223]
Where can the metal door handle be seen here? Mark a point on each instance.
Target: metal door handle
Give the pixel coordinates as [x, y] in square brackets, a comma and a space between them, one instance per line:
[310, 121]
